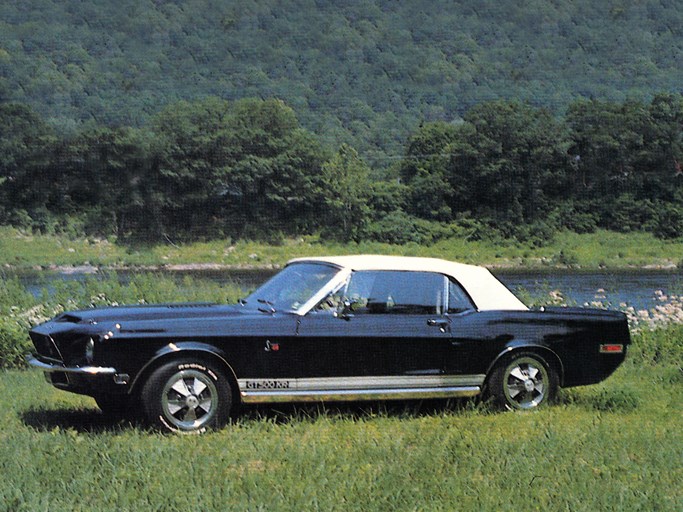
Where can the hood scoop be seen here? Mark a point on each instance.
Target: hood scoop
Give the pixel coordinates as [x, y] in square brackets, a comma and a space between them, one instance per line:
[69, 318]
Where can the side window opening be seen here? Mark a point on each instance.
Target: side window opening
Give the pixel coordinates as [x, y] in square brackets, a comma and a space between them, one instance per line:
[396, 292]
[332, 302]
[458, 299]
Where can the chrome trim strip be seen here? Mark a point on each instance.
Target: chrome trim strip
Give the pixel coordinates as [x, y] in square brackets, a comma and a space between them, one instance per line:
[359, 388]
[83, 370]
[389, 382]
[255, 397]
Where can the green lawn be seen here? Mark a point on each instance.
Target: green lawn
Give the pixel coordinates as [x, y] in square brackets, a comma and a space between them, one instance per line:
[588, 251]
[614, 446]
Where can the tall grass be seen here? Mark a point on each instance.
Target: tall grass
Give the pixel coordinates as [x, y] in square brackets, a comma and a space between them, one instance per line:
[593, 451]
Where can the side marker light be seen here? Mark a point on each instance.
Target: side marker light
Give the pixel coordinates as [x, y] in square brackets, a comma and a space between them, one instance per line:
[611, 348]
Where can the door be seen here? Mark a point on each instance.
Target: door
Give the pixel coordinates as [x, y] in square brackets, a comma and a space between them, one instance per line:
[393, 333]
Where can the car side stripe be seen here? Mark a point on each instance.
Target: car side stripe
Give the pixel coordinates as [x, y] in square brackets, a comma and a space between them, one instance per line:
[359, 388]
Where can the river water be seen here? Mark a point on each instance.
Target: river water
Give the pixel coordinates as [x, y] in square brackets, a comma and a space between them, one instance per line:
[635, 288]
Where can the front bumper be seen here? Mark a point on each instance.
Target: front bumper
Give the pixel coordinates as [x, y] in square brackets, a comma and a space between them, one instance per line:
[87, 380]
[53, 366]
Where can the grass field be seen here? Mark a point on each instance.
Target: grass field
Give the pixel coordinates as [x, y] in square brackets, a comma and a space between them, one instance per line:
[589, 251]
[614, 446]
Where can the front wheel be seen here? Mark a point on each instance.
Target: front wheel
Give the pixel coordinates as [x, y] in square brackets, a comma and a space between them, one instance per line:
[525, 381]
[187, 396]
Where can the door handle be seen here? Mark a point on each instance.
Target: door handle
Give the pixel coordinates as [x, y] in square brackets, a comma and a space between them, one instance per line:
[441, 324]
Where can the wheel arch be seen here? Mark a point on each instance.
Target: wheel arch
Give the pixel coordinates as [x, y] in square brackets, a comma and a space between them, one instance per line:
[201, 351]
[546, 353]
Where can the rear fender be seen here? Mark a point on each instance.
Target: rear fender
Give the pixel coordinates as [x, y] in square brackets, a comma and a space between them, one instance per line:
[522, 346]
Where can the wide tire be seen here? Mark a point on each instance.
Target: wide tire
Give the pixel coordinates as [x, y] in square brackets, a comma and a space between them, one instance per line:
[187, 396]
[522, 382]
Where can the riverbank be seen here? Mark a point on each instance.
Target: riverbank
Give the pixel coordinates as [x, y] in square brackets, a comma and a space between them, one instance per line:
[600, 250]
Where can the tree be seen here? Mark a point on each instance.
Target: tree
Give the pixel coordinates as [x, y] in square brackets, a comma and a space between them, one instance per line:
[25, 146]
[517, 154]
[424, 170]
[662, 157]
[109, 173]
[606, 143]
[236, 168]
[345, 178]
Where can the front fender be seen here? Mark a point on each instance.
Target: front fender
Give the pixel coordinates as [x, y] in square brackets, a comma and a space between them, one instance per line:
[179, 349]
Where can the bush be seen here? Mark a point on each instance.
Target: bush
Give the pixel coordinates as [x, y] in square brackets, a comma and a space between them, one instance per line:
[658, 346]
[627, 213]
[579, 217]
[566, 257]
[400, 228]
[536, 234]
[669, 223]
[14, 343]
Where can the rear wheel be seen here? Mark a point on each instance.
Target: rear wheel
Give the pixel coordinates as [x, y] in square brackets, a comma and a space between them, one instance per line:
[525, 381]
[187, 396]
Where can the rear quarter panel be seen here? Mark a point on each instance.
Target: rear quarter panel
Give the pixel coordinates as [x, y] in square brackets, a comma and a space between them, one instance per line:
[572, 336]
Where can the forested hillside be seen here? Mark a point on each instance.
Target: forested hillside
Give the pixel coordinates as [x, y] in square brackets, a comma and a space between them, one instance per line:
[359, 72]
[400, 122]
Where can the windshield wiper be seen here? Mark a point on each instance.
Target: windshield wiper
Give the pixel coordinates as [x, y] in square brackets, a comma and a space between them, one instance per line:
[270, 305]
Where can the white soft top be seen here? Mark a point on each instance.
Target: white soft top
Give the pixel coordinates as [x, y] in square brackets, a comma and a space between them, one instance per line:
[485, 290]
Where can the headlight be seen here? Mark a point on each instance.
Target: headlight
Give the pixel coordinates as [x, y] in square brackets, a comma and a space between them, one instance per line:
[90, 350]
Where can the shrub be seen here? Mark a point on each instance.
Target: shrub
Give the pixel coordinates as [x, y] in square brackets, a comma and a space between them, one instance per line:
[566, 257]
[669, 223]
[658, 346]
[627, 213]
[14, 343]
[400, 228]
[577, 216]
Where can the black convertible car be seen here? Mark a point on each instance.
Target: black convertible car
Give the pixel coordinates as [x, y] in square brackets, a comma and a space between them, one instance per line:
[337, 328]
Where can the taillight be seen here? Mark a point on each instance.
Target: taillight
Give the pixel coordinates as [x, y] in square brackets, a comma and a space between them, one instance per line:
[611, 348]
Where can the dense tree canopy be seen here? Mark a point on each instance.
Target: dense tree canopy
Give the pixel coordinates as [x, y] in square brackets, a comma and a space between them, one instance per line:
[363, 72]
[247, 169]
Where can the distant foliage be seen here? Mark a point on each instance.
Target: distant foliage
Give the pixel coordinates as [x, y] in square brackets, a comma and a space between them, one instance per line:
[527, 173]
[202, 119]
[363, 72]
[247, 169]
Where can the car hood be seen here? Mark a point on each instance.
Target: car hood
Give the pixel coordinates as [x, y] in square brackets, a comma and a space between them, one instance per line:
[186, 311]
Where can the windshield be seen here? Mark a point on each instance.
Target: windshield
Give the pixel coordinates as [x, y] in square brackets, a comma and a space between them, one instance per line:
[292, 287]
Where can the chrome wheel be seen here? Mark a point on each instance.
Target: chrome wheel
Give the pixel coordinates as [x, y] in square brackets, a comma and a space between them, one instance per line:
[189, 400]
[523, 380]
[187, 396]
[526, 383]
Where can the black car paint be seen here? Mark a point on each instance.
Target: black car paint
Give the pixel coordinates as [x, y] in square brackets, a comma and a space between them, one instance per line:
[133, 340]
